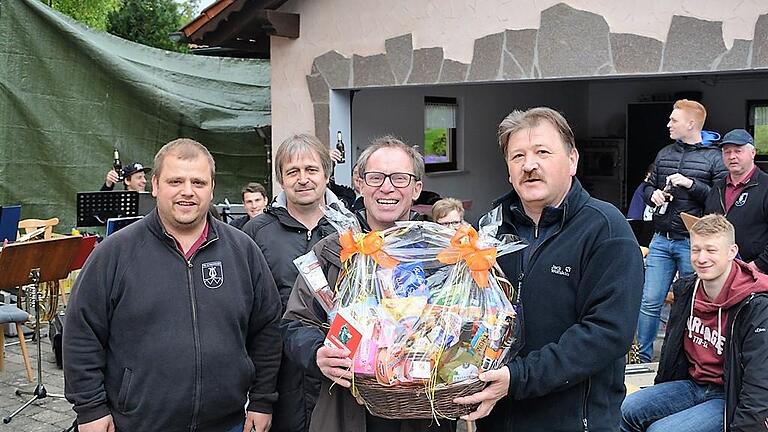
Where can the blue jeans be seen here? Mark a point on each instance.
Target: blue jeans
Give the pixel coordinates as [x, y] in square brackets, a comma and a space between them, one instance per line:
[665, 258]
[237, 428]
[679, 406]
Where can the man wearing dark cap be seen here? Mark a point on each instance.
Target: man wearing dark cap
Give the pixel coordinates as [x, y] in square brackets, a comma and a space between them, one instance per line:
[134, 178]
[743, 198]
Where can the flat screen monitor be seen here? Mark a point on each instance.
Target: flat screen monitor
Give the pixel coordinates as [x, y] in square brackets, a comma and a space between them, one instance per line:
[116, 224]
[146, 203]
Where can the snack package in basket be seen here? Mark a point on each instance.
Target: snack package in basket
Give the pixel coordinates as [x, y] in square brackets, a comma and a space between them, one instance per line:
[432, 308]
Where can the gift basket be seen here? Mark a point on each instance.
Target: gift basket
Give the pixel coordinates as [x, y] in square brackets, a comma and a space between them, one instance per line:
[422, 310]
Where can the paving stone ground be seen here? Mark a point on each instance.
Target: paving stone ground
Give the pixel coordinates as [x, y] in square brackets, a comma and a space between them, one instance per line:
[44, 415]
[56, 415]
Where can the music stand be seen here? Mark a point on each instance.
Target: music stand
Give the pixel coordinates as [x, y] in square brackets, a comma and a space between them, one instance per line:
[32, 263]
[9, 222]
[56, 326]
[94, 208]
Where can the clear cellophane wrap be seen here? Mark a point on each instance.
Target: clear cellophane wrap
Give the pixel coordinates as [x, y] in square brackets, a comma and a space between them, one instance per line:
[433, 307]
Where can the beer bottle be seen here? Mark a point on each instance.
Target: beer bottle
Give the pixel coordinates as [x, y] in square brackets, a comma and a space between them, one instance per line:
[662, 209]
[340, 147]
[118, 166]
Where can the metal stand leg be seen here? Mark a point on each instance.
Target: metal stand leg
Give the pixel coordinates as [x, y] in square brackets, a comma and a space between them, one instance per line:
[39, 392]
[71, 428]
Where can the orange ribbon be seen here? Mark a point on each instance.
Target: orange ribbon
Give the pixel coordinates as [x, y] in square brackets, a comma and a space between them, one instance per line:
[464, 246]
[370, 244]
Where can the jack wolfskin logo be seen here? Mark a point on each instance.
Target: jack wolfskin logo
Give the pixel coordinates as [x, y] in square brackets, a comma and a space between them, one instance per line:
[213, 275]
[742, 199]
[558, 270]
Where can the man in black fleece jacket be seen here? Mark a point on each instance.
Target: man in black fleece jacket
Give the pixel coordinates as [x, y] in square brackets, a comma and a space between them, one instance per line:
[743, 198]
[173, 324]
[580, 280]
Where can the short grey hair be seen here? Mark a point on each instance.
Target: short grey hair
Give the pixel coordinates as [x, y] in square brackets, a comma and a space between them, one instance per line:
[749, 146]
[521, 120]
[298, 144]
[184, 149]
[389, 141]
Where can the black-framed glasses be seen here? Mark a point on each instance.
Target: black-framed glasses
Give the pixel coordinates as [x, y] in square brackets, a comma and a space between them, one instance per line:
[398, 180]
[452, 224]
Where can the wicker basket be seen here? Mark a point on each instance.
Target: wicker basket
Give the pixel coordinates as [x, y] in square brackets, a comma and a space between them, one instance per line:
[406, 402]
[411, 402]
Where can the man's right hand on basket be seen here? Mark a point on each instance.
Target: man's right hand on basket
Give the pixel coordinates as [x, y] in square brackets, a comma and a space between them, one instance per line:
[335, 364]
[104, 424]
[497, 388]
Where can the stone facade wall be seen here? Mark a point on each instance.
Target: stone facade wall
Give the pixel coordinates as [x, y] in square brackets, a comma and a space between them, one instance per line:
[569, 43]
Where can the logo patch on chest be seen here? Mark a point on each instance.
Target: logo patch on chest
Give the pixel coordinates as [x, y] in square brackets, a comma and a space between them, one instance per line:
[213, 275]
[562, 271]
[742, 199]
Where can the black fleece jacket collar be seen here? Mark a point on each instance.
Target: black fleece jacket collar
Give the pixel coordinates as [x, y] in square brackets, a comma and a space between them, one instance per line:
[574, 200]
[158, 230]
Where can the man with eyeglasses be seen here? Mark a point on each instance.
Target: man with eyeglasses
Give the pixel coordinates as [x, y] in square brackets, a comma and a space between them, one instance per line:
[390, 180]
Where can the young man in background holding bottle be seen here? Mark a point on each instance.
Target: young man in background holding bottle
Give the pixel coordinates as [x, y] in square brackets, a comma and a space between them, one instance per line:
[683, 174]
[346, 194]
[133, 176]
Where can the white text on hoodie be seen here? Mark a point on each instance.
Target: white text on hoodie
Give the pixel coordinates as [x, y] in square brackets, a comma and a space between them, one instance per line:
[703, 335]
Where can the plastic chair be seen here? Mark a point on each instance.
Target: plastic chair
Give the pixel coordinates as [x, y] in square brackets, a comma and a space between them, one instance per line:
[12, 314]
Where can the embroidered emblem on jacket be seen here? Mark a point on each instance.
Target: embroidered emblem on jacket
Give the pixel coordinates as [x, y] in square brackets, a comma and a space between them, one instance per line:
[213, 275]
[742, 199]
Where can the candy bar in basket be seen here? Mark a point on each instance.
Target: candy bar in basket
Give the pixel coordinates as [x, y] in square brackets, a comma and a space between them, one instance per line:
[432, 310]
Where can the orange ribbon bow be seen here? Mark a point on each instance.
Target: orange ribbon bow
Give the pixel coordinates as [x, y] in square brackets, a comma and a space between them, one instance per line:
[464, 246]
[370, 244]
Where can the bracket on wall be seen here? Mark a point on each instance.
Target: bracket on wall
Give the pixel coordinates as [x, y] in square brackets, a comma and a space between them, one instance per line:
[281, 24]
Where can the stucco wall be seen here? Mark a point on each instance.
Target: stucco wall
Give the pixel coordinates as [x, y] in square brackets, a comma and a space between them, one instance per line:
[483, 173]
[594, 108]
[360, 27]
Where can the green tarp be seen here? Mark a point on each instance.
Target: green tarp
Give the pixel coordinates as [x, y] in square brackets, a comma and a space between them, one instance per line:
[69, 95]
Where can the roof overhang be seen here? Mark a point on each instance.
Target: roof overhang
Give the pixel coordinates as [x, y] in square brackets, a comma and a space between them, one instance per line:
[239, 28]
